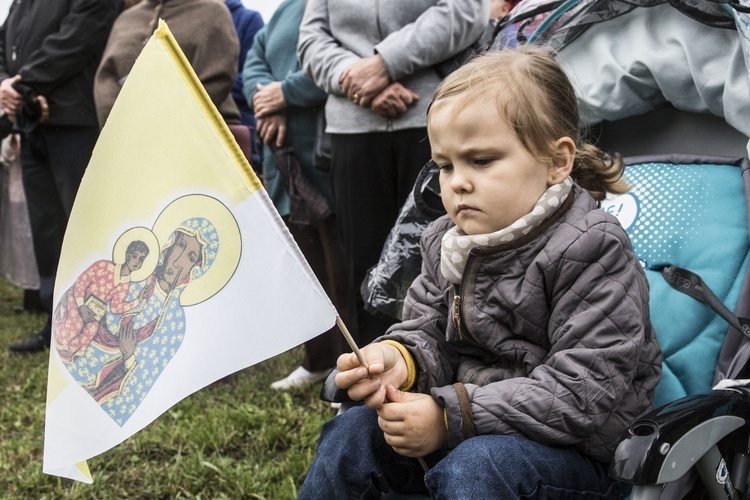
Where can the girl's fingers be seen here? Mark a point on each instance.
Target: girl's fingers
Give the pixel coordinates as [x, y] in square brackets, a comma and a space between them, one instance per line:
[348, 378]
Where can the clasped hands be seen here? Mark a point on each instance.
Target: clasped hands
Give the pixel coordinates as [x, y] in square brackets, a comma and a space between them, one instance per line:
[413, 423]
[269, 105]
[367, 84]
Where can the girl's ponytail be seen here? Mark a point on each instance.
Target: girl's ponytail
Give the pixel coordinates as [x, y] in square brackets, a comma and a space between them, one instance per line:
[598, 172]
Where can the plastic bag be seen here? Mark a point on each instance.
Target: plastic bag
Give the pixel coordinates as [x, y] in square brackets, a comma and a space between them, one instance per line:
[385, 285]
[17, 262]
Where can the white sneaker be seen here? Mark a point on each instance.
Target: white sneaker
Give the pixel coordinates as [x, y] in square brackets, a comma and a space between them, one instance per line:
[300, 377]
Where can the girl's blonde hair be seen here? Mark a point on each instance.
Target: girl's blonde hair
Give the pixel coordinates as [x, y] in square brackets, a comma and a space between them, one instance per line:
[534, 95]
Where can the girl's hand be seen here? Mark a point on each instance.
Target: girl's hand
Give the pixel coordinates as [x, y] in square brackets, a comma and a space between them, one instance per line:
[413, 423]
[386, 366]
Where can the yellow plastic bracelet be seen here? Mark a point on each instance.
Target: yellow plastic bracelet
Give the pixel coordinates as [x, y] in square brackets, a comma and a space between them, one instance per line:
[411, 366]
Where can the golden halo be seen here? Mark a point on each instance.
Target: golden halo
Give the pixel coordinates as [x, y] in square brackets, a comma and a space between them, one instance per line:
[230, 244]
[121, 247]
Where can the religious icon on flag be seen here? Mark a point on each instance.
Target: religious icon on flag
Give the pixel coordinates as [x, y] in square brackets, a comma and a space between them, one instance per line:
[176, 269]
[116, 336]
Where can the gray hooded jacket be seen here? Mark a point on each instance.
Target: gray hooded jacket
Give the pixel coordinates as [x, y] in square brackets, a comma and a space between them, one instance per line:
[555, 342]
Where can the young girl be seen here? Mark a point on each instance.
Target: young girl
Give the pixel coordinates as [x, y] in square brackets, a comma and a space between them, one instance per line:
[526, 347]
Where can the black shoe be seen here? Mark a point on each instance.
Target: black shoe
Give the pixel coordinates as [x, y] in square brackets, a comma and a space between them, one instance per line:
[38, 342]
[332, 393]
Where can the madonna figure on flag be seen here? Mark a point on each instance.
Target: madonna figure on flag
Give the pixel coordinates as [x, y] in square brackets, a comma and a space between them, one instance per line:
[157, 331]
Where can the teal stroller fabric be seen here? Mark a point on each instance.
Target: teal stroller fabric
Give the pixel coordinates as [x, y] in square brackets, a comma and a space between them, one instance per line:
[690, 213]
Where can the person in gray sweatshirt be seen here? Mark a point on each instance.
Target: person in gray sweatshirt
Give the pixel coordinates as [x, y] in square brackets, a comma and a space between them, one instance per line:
[378, 61]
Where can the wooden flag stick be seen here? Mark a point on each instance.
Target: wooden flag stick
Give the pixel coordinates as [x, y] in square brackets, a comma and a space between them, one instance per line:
[350, 341]
[361, 358]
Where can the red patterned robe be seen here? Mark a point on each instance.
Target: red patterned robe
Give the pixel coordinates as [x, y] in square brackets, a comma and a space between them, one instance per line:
[100, 285]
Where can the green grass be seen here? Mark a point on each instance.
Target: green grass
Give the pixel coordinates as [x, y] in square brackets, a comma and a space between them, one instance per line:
[234, 439]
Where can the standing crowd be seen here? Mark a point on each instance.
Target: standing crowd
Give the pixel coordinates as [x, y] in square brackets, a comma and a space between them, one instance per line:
[370, 82]
[525, 347]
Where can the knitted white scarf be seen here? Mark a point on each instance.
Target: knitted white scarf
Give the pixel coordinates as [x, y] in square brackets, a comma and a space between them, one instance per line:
[456, 245]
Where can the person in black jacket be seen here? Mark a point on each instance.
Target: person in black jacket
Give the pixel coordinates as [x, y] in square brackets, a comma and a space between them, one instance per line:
[52, 48]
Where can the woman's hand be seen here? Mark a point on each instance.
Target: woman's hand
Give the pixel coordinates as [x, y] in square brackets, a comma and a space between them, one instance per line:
[393, 101]
[269, 99]
[272, 129]
[413, 423]
[365, 79]
[386, 366]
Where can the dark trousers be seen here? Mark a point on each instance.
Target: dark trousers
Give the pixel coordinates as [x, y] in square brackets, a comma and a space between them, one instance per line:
[372, 175]
[322, 248]
[53, 160]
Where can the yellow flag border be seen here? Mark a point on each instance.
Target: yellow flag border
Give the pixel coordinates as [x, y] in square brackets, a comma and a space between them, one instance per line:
[84, 468]
[164, 35]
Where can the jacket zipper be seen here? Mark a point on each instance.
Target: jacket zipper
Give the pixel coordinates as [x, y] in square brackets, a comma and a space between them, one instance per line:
[475, 375]
[458, 301]
[22, 28]
[457, 311]
[458, 317]
[459, 323]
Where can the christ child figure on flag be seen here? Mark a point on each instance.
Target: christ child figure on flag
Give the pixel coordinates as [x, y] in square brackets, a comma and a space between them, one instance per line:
[102, 287]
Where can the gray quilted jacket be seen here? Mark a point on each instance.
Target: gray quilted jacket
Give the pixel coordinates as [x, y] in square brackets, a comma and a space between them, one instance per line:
[551, 337]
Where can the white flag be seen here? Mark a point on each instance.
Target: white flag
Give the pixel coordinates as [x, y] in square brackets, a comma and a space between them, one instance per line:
[176, 269]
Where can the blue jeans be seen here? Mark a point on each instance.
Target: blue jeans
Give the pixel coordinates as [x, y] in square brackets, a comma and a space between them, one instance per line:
[354, 461]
